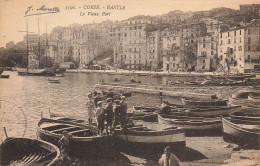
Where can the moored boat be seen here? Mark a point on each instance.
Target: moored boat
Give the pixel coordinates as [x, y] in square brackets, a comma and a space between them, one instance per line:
[4, 76]
[25, 151]
[53, 80]
[217, 102]
[193, 125]
[242, 134]
[245, 98]
[151, 136]
[84, 140]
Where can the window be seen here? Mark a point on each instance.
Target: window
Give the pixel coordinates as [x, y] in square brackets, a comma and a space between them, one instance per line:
[212, 45]
[248, 57]
[203, 61]
[203, 67]
[240, 40]
[235, 41]
[235, 48]
[212, 38]
[248, 31]
[221, 42]
[239, 48]
[249, 48]
[235, 33]
[212, 52]
[240, 32]
[228, 34]
[204, 45]
[221, 57]
[228, 41]
[221, 35]
[249, 40]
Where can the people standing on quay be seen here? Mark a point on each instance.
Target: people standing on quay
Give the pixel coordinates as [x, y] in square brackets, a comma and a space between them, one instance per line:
[110, 94]
[117, 108]
[169, 159]
[109, 115]
[91, 109]
[97, 99]
[100, 114]
[123, 111]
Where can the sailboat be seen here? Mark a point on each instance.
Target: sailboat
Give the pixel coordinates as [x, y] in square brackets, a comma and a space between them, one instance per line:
[33, 64]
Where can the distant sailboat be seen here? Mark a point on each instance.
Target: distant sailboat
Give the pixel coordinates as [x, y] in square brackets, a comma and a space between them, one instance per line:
[31, 70]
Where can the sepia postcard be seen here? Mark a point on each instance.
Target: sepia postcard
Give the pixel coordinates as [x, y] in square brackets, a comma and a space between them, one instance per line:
[129, 82]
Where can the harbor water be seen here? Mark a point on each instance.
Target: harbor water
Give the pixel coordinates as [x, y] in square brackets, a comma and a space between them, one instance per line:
[25, 98]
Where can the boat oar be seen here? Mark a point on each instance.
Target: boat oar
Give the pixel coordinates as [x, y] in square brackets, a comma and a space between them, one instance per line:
[5, 133]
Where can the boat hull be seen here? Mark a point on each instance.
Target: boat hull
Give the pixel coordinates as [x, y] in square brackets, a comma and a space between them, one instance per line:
[195, 126]
[24, 151]
[153, 140]
[91, 146]
[237, 133]
[187, 102]
[36, 72]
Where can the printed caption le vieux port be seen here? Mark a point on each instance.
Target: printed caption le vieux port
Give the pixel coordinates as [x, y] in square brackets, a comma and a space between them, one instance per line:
[92, 10]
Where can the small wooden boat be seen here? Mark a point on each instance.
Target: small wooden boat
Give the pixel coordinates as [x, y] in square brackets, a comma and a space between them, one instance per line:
[202, 111]
[193, 125]
[53, 80]
[242, 134]
[25, 151]
[4, 76]
[187, 102]
[247, 116]
[151, 136]
[59, 75]
[84, 140]
[245, 98]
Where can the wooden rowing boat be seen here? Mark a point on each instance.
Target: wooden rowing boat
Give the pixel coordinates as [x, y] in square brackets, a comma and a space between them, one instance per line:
[4, 76]
[25, 151]
[84, 140]
[53, 80]
[151, 136]
[248, 116]
[187, 102]
[193, 125]
[203, 111]
[242, 134]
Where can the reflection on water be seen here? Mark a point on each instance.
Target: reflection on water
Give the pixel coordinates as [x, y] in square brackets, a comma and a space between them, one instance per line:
[35, 95]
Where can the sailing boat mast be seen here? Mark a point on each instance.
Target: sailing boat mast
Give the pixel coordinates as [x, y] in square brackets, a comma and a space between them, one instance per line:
[39, 43]
[27, 52]
[46, 46]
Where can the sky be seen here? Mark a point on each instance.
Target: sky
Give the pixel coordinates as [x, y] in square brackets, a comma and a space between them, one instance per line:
[13, 20]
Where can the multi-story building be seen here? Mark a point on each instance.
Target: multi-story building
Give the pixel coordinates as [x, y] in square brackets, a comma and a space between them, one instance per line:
[190, 34]
[239, 48]
[154, 49]
[207, 52]
[132, 48]
[171, 51]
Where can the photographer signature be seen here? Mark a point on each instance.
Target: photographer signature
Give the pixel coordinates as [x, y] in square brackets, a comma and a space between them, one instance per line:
[42, 10]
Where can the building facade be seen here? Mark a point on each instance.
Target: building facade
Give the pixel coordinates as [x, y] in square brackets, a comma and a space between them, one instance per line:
[239, 48]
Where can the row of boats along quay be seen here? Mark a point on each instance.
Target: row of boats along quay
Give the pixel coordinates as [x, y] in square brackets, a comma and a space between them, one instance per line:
[205, 119]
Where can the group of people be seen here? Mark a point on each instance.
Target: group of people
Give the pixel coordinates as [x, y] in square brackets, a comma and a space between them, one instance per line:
[108, 111]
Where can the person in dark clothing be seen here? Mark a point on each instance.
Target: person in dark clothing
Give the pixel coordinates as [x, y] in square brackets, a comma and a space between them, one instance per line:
[97, 99]
[109, 115]
[116, 113]
[123, 111]
[165, 108]
[110, 94]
